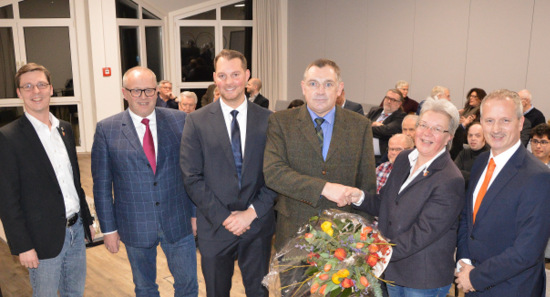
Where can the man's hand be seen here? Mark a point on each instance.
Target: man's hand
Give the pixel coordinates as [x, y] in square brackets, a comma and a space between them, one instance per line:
[92, 232]
[194, 226]
[336, 193]
[463, 277]
[239, 221]
[112, 242]
[353, 195]
[376, 124]
[29, 259]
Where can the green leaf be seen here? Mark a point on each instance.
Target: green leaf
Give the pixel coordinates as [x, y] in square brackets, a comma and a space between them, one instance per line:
[335, 293]
[346, 292]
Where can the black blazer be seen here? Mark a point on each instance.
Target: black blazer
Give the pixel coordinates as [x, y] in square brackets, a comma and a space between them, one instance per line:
[261, 101]
[353, 106]
[31, 204]
[392, 126]
[422, 221]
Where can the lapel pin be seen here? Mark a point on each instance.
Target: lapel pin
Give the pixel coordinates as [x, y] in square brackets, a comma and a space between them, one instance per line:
[63, 131]
[426, 172]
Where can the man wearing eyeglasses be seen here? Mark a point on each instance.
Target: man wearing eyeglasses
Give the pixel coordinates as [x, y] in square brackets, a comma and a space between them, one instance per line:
[165, 96]
[135, 154]
[386, 121]
[42, 204]
[315, 152]
[398, 143]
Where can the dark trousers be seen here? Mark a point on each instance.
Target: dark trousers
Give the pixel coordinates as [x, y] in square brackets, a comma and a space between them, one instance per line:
[218, 261]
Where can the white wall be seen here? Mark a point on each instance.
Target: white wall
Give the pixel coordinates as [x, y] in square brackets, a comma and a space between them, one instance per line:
[459, 44]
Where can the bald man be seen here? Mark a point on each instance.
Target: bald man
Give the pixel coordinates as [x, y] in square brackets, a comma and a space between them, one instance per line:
[253, 89]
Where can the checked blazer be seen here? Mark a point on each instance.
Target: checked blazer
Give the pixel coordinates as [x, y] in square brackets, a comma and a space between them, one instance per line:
[142, 200]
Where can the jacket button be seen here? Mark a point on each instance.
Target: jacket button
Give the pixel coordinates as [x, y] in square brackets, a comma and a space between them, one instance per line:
[157, 203]
[155, 184]
[472, 237]
[389, 223]
[148, 165]
[324, 172]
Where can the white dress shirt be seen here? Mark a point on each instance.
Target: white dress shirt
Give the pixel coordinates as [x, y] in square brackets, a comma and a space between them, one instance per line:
[140, 128]
[59, 158]
[241, 119]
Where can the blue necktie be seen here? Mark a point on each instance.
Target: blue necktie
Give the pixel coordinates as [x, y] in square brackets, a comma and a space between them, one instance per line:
[236, 144]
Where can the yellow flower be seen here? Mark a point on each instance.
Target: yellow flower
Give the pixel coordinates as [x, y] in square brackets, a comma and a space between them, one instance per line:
[336, 278]
[327, 227]
[342, 273]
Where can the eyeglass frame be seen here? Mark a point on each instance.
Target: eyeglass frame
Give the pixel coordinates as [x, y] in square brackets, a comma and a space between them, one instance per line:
[541, 142]
[392, 100]
[141, 91]
[29, 87]
[434, 130]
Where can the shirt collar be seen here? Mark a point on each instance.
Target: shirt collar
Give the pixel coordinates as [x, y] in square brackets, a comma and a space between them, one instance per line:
[413, 157]
[37, 124]
[503, 157]
[329, 117]
[226, 109]
[137, 119]
[527, 111]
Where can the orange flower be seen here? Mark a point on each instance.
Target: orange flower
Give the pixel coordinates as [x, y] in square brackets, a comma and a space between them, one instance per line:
[322, 289]
[327, 267]
[347, 283]
[314, 288]
[359, 245]
[323, 277]
[340, 254]
[364, 281]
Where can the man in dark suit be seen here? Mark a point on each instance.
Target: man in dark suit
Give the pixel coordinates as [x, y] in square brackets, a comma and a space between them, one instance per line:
[505, 225]
[42, 205]
[531, 113]
[315, 152]
[222, 152]
[135, 154]
[165, 96]
[347, 104]
[253, 88]
[386, 121]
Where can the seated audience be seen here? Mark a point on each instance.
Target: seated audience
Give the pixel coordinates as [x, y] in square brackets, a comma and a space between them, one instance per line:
[438, 92]
[295, 103]
[473, 101]
[534, 115]
[397, 143]
[165, 97]
[348, 104]
[465, 159]
[209, 96]
[409, 105]
[188, 101]
[386, 121]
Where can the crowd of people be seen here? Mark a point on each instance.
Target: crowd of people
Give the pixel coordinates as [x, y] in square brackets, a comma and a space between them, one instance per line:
[463, 194]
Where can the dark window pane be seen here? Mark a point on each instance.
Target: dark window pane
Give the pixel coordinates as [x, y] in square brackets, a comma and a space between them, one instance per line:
[197, 53]
[237, 11]
[68, 113]
[239, 39]
[198, 92]
[55, 54]
[126, 9]
[7, 64]
[33, 9]
[6, 12]
[208, 15]
[10, 114]
[153, 41]
[129, 52]
[148, 15]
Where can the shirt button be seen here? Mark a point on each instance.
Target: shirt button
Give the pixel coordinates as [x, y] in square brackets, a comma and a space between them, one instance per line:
[157, 203]
[155, 184]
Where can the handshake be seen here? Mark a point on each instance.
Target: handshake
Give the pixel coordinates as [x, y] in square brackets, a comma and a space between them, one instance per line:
[341, 195]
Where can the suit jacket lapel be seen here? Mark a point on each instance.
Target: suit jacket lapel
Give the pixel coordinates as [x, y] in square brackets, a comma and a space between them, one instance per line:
[69, 147]
[219, 129]
[509, 171]
[42, 159]
[164, 133]
[436, 165]
[306, 126]
[129, 131]
[474, 179]
[251, 144]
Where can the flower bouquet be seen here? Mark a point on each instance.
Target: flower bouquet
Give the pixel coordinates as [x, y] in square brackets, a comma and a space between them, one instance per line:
[338, 254]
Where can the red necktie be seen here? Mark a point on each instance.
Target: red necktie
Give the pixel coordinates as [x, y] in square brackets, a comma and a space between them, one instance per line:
[484, 186]
[149, 145]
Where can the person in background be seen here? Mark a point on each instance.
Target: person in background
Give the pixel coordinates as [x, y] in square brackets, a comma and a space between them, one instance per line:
[504, 226]
[348, 104]
[42, 204]
[188, 102]
[473, 101]
[165, 97]
[408, 126]
[530, 112]
[209, 96]
[253, 88]
[398, 143]
[418, 207]
[409, 105]
[295, 103]
[438, 92]
[138, 190]
[476, 141]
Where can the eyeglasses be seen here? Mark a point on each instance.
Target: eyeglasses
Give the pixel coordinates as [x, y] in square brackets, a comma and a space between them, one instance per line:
[137, 92]
[395, 149]
[29, 87]
[327, 85]
[541, 142]
[392, 100]
[435, 130]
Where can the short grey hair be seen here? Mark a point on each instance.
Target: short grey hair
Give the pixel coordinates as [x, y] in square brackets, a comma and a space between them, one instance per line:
[409, 142]
[164, 82]
[443, 107]
[411, 116]
[189, 95]
[396, 91]
[438, 90]
[401, 83]
[504, 94]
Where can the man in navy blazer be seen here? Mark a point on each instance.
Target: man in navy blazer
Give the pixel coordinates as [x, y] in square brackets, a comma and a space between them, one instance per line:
[150, 205]
[222, 172]
[501, 245]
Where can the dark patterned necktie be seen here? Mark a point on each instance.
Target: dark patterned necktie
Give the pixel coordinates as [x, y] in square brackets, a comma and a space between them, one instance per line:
[319, 131]
[236, 144]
